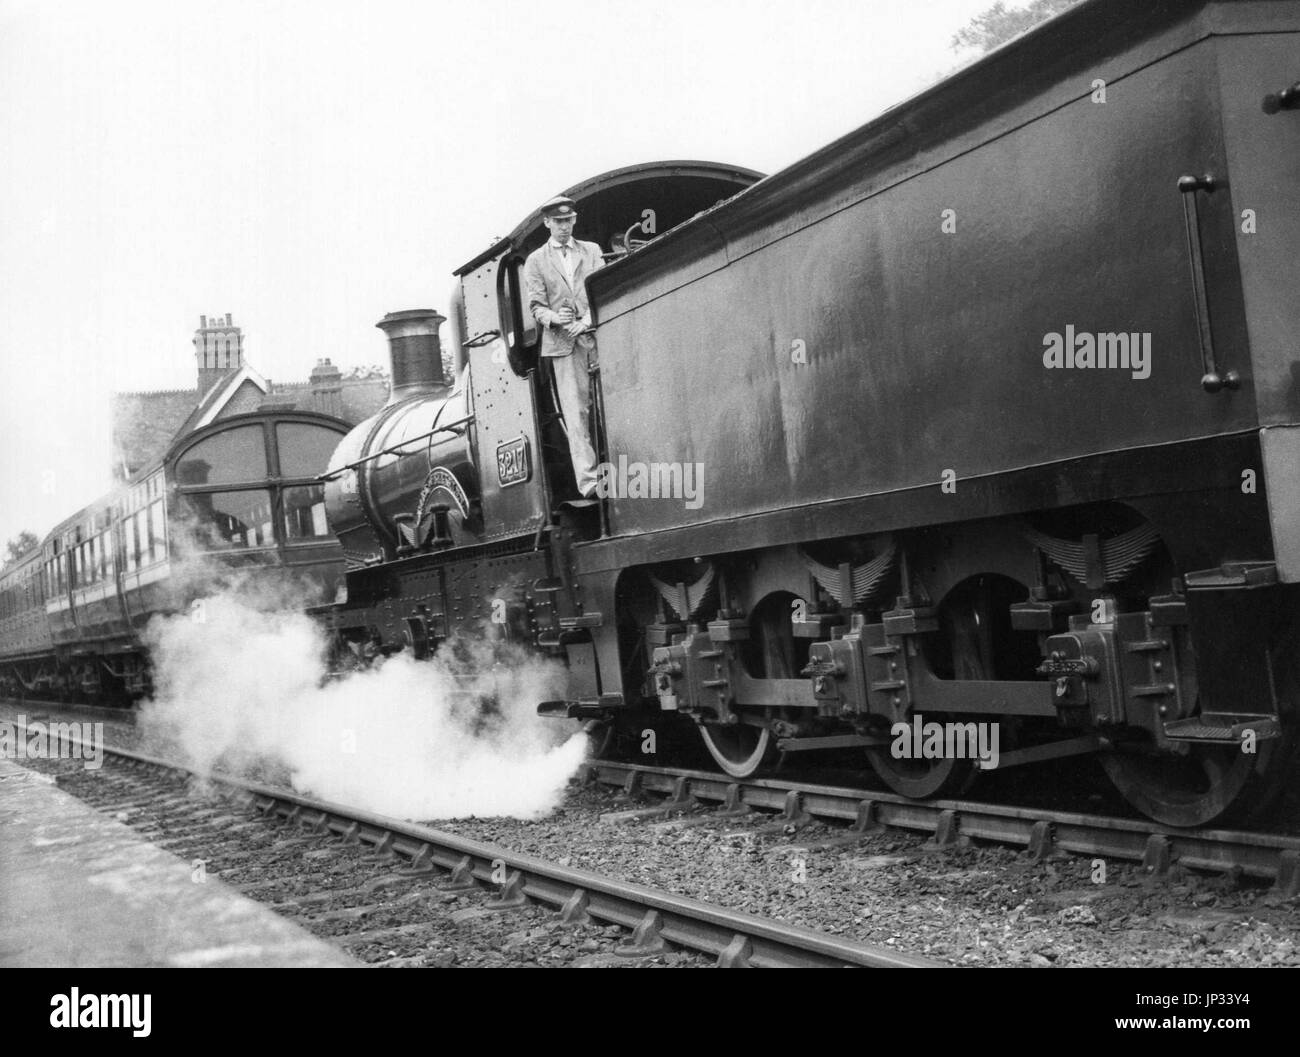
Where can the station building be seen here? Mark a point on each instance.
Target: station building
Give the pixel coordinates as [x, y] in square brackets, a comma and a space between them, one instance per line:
[145, 423]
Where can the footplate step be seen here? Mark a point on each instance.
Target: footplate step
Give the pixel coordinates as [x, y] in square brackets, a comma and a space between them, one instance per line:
[1222, 728]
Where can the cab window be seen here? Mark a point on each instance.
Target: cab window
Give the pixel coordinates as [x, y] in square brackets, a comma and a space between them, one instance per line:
[518, 328]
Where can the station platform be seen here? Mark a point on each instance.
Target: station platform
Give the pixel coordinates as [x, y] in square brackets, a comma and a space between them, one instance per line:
[81, 890]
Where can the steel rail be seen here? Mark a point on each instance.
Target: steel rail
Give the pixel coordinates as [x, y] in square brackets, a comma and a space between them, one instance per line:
[33, 706]
[1265, 856]
[656, 917]
[1269, 856]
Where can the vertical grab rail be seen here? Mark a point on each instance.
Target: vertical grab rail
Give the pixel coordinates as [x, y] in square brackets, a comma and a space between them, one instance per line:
[597, 394]
[1211, 379]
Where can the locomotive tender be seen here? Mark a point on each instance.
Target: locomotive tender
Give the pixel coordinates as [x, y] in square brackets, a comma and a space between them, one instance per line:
[995, 410]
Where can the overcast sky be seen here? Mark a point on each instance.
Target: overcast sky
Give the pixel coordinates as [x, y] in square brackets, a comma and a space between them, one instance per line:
[309, 167]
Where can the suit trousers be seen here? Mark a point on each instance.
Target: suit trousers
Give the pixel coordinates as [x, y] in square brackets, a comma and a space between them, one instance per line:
[573, 388]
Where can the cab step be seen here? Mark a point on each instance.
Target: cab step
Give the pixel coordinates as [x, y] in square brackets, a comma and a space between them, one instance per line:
[1225, 728]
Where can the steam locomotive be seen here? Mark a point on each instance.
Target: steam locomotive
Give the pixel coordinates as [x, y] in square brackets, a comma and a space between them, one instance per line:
[988, 408]
[985, 414]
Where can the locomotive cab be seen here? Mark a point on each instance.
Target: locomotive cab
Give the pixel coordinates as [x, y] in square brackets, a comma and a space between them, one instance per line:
[619, 211]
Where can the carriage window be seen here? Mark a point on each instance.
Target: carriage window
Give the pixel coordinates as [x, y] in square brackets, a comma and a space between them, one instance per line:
[304, 449]
[304, 513]
[232, 519]
[238, 454]
[141, 520]
[158, 525]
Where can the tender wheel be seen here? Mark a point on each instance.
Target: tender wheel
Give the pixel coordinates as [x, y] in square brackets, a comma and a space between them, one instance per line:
[975, 641]
[1221, 784]
[1212, 784]
[740, 750]
[921, 779]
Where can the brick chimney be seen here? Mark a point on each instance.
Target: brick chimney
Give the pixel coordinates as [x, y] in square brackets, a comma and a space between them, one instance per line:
[327, 388]
[218, 349]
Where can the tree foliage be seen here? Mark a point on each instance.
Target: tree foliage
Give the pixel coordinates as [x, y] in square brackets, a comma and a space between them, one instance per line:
[999, 24]
[22, 543]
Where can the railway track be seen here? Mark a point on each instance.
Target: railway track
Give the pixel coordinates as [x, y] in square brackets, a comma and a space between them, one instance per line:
[1041, 832]
[107, 713]
[417, 867]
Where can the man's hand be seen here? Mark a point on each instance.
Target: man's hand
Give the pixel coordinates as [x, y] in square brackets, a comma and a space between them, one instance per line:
[575, 328]
[564, 315]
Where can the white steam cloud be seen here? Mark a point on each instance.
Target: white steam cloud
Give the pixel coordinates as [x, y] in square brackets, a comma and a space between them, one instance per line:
[241, 684]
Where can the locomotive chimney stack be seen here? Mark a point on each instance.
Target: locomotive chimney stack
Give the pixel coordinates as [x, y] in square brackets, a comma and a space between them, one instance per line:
[415, 351]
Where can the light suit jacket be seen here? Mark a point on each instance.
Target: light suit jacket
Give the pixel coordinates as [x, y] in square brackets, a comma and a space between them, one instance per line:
[548, 291]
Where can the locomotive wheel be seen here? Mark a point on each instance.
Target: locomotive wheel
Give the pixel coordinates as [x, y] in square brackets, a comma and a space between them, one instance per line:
[1219, 783]
[921, 779]
[600, 739]
[741, 750]
[1212, 784]
[975, 641]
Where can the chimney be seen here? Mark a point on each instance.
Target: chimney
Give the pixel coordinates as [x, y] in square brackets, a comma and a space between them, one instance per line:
[218, 349]
[415, 352]
[327, 388]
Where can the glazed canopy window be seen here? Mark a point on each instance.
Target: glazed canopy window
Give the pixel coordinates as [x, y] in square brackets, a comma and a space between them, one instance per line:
[304, 513]
[304, 449]
[252, 485]
[231, 457]
[240, 519]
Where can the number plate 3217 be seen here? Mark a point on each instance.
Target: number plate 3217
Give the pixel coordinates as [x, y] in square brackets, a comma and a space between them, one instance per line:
[513, 465]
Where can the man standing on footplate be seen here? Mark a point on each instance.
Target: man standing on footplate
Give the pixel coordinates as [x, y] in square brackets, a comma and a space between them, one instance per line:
[554, 278]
